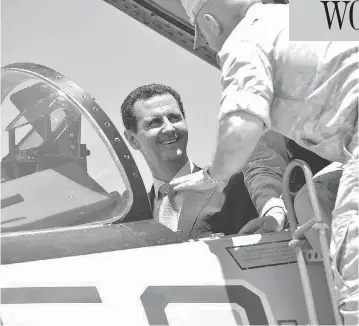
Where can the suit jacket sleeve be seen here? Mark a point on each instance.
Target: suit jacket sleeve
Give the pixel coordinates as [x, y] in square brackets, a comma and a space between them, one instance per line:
[236, 210]
[264, 170]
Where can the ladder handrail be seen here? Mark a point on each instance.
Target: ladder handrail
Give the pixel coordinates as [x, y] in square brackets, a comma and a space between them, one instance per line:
[317, 224]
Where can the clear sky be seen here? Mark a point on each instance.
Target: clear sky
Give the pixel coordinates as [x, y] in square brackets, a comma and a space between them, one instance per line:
[109, 54]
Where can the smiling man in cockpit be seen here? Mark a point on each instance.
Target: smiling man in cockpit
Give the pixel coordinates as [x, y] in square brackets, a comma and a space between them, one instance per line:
[154, 120]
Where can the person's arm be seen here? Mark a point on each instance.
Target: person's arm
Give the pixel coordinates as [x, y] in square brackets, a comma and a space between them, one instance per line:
[238, 135]
[244, 114]
[264, 171]
[263, 178]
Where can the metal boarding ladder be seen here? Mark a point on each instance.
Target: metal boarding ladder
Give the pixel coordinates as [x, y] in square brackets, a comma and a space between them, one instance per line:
[317, 224]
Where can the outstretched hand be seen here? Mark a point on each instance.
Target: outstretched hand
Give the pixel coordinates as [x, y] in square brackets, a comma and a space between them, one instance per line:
[264, 224]
[194, 181]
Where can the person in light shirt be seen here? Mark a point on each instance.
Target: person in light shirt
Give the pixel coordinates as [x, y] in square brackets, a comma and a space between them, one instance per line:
[307, 91]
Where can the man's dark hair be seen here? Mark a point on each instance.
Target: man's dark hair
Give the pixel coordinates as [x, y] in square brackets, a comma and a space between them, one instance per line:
[144, 92]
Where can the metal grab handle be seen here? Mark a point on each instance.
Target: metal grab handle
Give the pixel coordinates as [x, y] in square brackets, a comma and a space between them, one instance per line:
[318, 225]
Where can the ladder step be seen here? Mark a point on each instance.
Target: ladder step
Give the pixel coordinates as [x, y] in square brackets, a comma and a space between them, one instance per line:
[299, 232]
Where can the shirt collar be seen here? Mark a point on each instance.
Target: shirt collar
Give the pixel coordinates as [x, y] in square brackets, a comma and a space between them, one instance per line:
[227, 46]
[188, 168]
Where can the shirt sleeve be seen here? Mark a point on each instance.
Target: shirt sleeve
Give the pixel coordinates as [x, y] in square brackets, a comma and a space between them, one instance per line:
[247, 81]
[264, 171]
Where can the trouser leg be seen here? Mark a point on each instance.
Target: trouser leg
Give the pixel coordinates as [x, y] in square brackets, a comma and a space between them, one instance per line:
[344, 241]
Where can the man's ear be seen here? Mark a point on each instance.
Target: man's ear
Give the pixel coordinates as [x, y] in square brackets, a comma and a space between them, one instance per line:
[212, 24]
[131, 138]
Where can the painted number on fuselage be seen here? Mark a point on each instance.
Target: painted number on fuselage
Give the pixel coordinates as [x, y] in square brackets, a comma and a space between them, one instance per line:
[154, 298]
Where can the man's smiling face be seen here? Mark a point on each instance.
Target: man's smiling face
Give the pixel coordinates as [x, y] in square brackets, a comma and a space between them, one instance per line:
[162, 133]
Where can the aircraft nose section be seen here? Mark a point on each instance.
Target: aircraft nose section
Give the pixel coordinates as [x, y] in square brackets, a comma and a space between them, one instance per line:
[62, 155]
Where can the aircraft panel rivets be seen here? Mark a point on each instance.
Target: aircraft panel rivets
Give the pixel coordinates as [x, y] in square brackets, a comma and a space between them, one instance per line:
[71, 135]
[117, 140]
[71, 197]
[58, 77]
[126, 157]
[95, 108]
[72, 147]
[135, 174]
[83, 96]
[107, 124]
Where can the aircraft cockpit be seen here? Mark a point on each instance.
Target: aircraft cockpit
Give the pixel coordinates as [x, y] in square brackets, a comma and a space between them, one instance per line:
[63, 161]
[45, 133]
